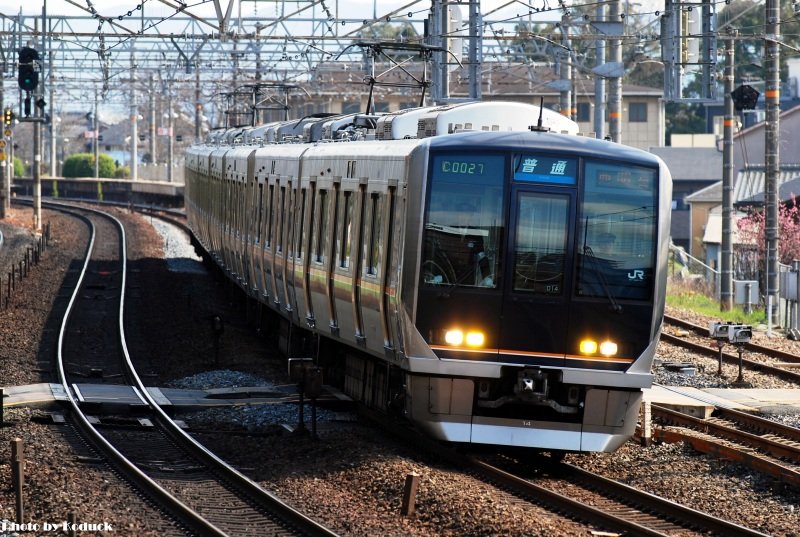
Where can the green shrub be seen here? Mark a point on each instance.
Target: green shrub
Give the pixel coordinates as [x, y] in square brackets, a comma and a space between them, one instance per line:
[82, 165]
[122, 172]
[19, 167]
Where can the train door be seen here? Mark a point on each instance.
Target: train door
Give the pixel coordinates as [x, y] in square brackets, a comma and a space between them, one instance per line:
[538, 275]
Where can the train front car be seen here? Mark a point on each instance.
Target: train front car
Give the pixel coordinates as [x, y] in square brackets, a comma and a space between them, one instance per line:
[540, 280]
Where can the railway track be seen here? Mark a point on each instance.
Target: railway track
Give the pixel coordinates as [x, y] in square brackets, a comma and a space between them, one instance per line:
[186, 480]
[574, 493]
[603, 502]
[756, 442]
[758, 358]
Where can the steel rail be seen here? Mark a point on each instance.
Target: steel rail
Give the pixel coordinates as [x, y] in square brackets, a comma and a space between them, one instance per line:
[647, 504]
[657, 504]
[669, 512]
[754, 347]
[728, 358]
[288, 516]
[761, 424]
[742, 453]
[769, 446]
[142, 480]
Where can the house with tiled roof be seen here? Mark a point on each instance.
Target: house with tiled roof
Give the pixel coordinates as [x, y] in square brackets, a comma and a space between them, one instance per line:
[343, 88]
[749, 176]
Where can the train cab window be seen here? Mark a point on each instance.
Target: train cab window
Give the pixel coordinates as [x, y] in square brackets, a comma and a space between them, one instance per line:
[464, 222]
[540, 242]
[617, 232]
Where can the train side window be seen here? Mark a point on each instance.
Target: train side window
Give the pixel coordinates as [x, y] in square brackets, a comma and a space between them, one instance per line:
[300, 222]
[281, 218]
[270, 214]
[228, 203]
[307, 232]
[345, 231]
[322, 225]
[373, 252]
[389, 246]
[260, 211]
[288, 218]
[252, 224]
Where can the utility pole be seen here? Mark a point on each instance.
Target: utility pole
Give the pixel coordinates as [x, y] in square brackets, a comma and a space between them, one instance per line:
[96, 139]
[152, 93]
[565, 69]
[198, 107]
[599, 81]
[53, 157]
[475, 46]
[726, 268]
[6, 162]
[437, 36]
[37, 142]
[771, 132]
[170, 154]
[615, 85]
[134, 124]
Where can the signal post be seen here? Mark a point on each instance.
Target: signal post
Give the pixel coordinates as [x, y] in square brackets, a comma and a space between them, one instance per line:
[6, 162]
[29, 68]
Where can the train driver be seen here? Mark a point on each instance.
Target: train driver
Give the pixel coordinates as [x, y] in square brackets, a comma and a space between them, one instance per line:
[473, 236]
[605, 245]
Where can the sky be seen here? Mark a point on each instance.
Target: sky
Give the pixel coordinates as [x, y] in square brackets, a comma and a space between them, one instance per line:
[354, 9]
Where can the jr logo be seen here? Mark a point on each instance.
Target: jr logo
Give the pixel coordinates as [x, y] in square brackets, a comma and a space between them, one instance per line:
[636, 275]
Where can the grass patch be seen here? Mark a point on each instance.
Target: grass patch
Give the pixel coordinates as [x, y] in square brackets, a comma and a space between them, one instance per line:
[689, 299]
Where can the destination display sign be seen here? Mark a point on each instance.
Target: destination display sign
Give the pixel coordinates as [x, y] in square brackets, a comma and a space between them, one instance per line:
[539, 169]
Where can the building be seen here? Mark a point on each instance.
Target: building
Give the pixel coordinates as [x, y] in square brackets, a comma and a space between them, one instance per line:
[344, 88]
[694, 169]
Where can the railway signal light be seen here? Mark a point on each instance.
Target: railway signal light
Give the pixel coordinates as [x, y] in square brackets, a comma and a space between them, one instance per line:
[28, 75]
[8, 117]
[745, 97]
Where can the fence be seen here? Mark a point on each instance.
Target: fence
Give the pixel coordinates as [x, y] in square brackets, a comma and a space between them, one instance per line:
[21, 269]
[748, 287]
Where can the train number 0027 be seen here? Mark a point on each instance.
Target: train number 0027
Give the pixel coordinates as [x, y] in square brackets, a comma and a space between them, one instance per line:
[469, 168]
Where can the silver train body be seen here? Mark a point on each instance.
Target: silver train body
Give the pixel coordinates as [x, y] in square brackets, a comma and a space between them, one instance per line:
[454, 258]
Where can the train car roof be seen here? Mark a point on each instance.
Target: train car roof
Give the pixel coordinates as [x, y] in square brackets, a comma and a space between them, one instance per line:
[543, 141]
[364, 149]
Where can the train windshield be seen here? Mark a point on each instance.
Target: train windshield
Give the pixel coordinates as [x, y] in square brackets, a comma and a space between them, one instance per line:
[464, 221]
[617, 232]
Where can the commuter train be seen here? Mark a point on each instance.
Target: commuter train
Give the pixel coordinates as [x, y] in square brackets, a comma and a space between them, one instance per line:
[480, 269]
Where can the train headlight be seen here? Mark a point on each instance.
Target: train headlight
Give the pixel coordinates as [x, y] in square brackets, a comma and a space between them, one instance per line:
[454, 337]
[608, 348]
[475, 339]
[588, 346]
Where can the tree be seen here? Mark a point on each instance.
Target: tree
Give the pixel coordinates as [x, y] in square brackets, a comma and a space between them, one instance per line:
[19, 167]
[534, 42]
[683, 118]
[82, 165]
[751, 232]
[747, 16]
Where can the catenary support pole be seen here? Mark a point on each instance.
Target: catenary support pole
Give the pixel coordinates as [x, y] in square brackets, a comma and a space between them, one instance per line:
[771, 157]
[726, 273]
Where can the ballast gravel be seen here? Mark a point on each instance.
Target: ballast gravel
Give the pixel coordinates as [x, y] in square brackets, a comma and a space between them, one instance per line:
[351, 477]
